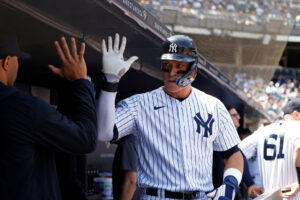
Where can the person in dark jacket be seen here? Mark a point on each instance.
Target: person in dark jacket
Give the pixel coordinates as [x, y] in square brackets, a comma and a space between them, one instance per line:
[71, 168]
[32, 130]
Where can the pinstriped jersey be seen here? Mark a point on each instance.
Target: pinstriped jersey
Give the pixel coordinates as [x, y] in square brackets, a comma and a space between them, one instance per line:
[274, 147]
[176, 138]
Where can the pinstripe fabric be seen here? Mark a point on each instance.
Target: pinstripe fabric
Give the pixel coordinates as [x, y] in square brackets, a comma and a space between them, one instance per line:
[172, 154]
[274, 153]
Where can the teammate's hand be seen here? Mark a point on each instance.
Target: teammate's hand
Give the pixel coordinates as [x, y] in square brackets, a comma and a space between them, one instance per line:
[254, 191]
[294, 189]
[73, 65]
[114, 65]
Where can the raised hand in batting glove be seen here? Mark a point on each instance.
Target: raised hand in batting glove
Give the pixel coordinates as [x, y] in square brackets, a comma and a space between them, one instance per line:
[114, 65]
[226, 191]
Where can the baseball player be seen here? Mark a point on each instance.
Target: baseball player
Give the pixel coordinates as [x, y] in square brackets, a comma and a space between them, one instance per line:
[247, 183]
[277, 147]
[177, 126]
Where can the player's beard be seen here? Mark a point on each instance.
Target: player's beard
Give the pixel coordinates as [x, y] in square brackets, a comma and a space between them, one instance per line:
[173, 90]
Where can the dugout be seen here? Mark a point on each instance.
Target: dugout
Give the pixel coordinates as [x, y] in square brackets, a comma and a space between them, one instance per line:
[39, 23]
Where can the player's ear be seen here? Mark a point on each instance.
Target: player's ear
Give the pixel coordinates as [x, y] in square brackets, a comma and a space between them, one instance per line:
[4, 63]
[296, 115]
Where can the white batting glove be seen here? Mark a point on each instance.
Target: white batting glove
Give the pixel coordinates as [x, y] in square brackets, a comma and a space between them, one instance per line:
[226, 191]
[114, 65]
[219, 194]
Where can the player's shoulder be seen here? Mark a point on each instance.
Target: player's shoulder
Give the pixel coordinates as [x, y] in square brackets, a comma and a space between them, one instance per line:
[265, 130]
[200, 95]
[131, 101]
[276, 127]
[156, 95]
[291, 128]
[211, 103]
[132, 98]
[287, 126]
[155, 92]
[138, 98]
[291, 123]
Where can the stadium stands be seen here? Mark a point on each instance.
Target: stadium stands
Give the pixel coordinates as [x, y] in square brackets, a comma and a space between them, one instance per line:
[254, 9]
[245, 35]
[257, 45]
[283, 87]
[249, 12]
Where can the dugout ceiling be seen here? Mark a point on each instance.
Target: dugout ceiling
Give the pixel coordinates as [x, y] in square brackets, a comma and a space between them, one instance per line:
[38, 23]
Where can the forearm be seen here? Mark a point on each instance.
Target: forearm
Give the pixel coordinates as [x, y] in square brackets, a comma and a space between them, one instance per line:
[231, 179]
[297, 158]
[82, 100]
[128, 192]
[235, 161]
[106, 115]
[75, 131]
[297, 164]
[129, 186]
[84, 113]
[72, 133]
[114, 67]
[234, 168]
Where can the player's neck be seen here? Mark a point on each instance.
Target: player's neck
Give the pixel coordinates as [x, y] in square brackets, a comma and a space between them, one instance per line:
[183, 93]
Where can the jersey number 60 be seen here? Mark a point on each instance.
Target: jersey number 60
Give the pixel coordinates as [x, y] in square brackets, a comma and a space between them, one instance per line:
[273, 147]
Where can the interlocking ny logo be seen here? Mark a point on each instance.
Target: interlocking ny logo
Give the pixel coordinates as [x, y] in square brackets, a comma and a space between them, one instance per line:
[173, 48]
[206, 125]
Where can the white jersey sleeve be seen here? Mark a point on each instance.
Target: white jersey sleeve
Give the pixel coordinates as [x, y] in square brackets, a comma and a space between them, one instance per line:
[106, 115]
[125, 116]
[249, 145]
[227, 136]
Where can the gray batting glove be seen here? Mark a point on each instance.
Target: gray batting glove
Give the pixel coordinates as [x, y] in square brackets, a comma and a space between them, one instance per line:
[114, 65]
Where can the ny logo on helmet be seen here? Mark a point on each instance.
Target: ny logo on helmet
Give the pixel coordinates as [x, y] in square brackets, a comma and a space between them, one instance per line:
[173, 48]
[207, 125]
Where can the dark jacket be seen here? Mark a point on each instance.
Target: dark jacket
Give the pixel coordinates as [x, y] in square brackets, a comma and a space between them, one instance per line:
[71, 169]
[30, 134]
[72, 176]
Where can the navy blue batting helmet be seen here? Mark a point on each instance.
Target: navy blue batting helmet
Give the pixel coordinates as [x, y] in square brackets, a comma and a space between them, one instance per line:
[181, 48]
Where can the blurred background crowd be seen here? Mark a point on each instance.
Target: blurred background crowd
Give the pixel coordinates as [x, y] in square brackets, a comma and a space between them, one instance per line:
[249, 11]
[272, 96]
[257, 17]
